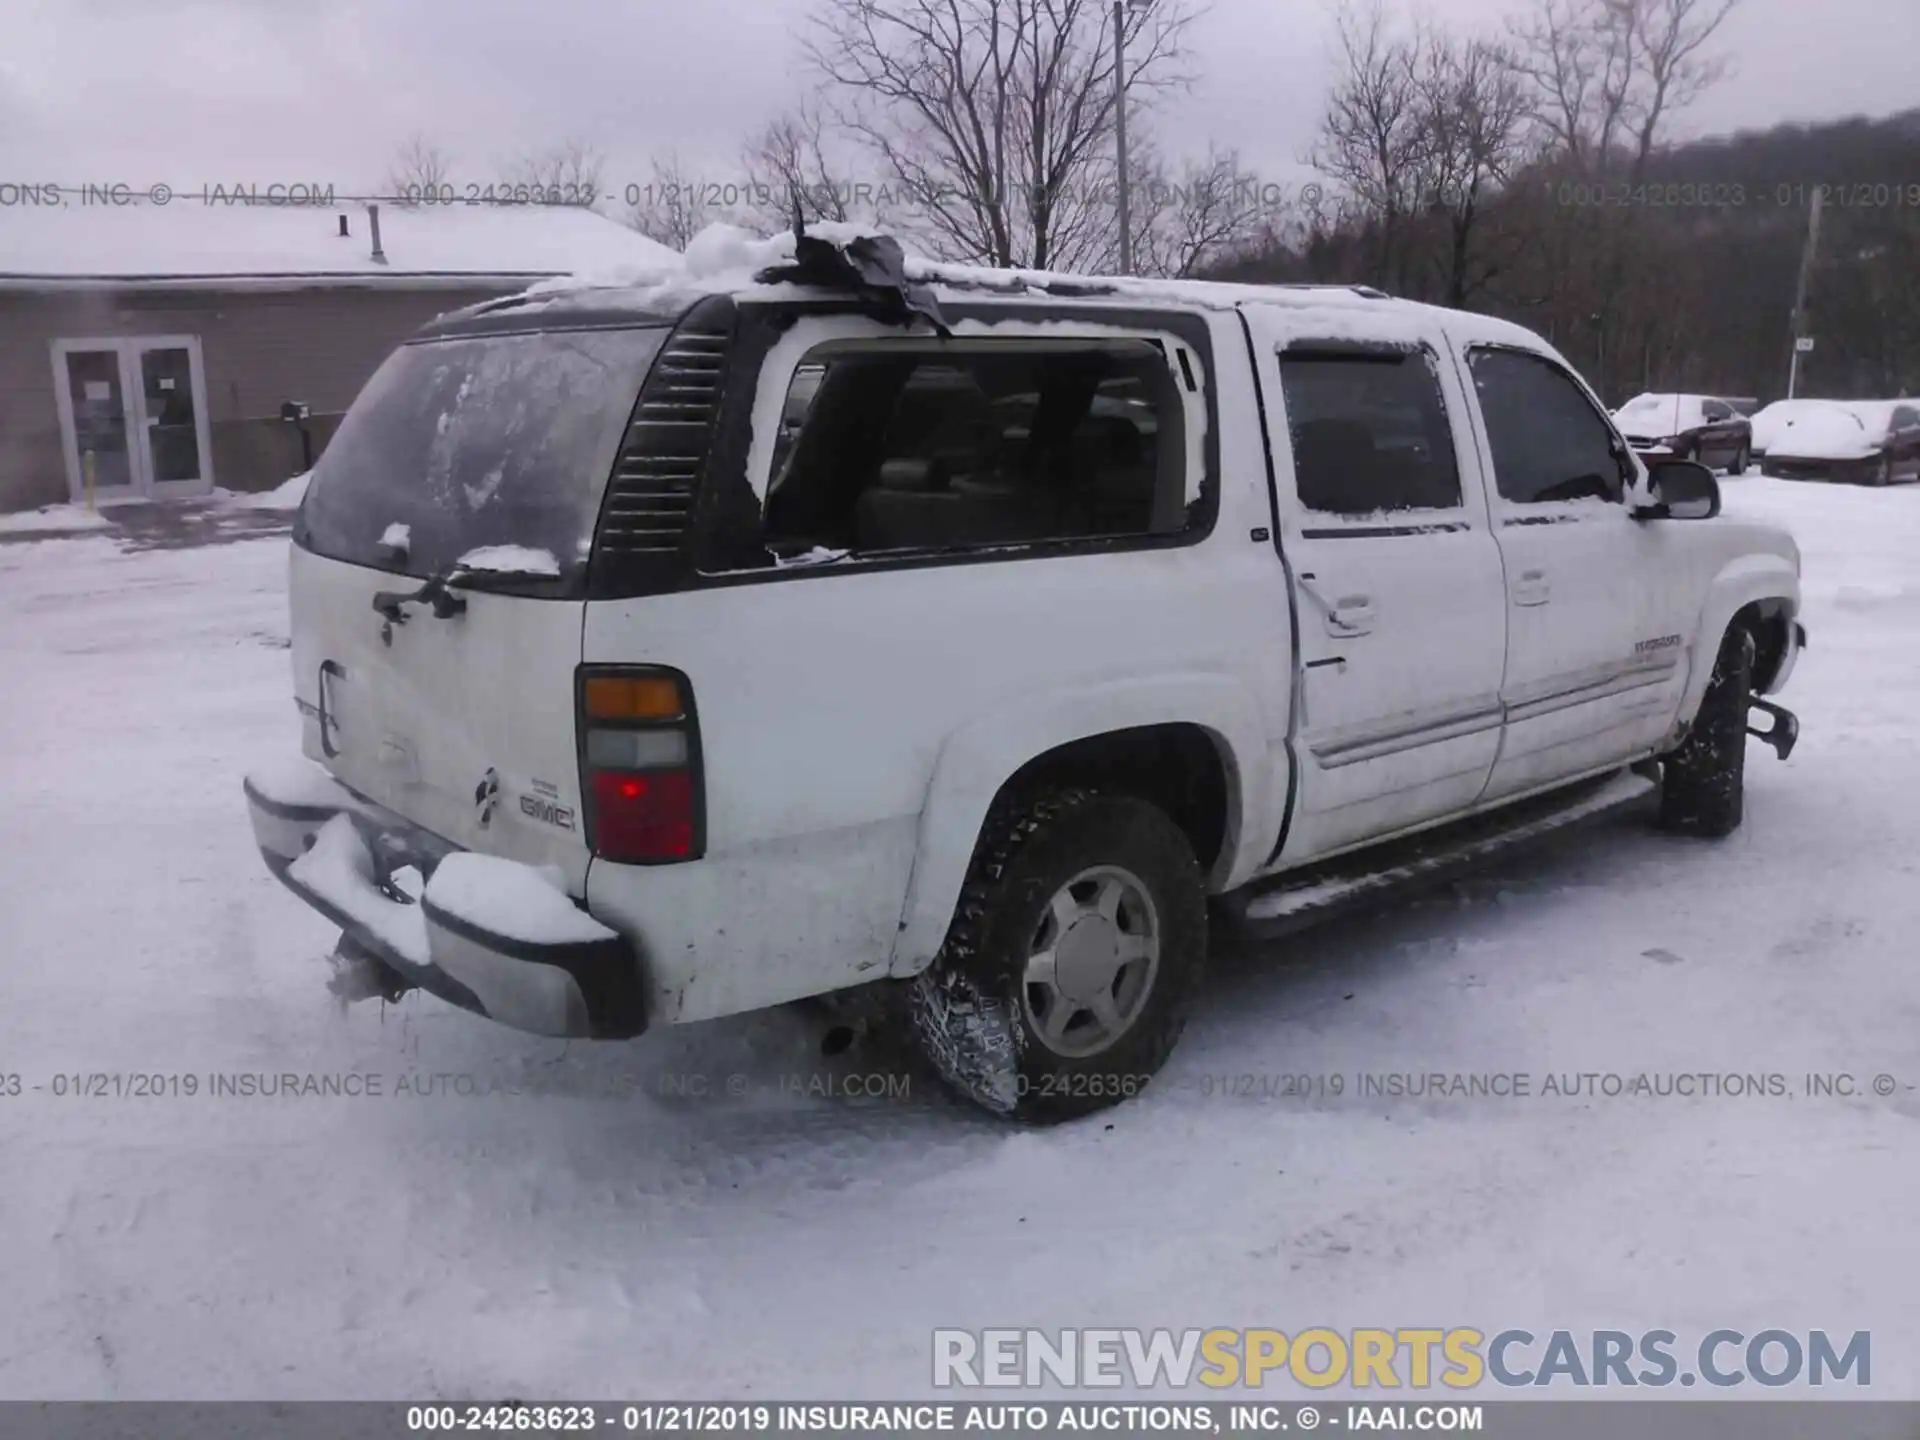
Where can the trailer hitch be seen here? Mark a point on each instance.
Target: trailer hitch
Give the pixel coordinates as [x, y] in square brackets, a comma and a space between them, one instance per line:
[1784, 731]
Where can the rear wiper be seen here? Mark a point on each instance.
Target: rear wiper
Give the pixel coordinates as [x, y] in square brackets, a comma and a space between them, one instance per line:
[435, 593]
[438, 591]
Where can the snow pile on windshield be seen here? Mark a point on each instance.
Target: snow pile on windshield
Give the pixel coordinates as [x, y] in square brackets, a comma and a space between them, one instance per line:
[1667, 413]
[1875, 415]
[1835, 433]
[1772, 425]
[506, 560]
[397, 536]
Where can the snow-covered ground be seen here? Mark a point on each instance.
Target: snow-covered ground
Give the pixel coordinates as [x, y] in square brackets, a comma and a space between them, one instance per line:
[603, 1232]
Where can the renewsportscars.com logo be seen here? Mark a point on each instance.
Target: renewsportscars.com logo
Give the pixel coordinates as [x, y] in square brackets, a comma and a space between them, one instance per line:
[1459, 1358]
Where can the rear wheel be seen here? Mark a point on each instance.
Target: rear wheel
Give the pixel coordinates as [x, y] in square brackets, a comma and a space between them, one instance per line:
[1741, 459]
[1703, 784]
[1074, 952]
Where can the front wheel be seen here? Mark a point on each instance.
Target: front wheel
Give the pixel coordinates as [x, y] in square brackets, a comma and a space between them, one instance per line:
[1703, 784]
[1073, 956]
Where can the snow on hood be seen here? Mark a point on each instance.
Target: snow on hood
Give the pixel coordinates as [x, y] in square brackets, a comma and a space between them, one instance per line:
[1833, 433]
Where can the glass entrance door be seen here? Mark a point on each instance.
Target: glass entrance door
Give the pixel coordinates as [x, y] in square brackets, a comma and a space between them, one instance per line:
[133, 417]
[169, 404]
[99, 431]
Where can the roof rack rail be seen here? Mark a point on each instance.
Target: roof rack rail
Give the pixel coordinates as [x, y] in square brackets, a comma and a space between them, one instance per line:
[1368, 291]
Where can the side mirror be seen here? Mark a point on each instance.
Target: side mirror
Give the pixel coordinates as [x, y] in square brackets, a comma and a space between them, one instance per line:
[1680, 490]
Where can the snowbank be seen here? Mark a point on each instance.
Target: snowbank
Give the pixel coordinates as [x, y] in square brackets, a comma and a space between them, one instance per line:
[284, 497]
[53, 517]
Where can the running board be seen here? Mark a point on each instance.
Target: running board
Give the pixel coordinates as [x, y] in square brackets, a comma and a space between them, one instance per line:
[1321, 891]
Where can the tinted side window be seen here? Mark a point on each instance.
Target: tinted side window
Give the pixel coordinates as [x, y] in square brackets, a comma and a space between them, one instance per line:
[906, 449]
[1548, 441]
[1714, 410]
[1369, 432]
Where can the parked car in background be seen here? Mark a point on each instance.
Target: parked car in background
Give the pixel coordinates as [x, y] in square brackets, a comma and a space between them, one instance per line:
[1694, 427]
[1861, 442]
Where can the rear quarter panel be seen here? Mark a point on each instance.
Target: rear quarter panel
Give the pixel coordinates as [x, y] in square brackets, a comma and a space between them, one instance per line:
[856, 722]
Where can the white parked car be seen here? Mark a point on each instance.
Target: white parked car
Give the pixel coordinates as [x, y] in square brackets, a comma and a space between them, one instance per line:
[1069, 607]
[1773, 424]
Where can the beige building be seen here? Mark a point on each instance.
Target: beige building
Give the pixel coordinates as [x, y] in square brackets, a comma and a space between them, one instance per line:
[150, 352]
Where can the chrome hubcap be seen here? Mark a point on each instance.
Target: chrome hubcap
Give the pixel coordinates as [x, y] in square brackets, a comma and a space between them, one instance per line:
[1091, 962]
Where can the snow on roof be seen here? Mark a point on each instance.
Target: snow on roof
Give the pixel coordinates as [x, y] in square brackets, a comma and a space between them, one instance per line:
[725, 260]
[189, 240]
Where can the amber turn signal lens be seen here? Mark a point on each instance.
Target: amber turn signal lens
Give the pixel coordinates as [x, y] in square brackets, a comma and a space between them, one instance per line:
[633, 697]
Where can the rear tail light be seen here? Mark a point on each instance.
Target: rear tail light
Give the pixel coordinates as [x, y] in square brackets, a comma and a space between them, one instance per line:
[640, 764]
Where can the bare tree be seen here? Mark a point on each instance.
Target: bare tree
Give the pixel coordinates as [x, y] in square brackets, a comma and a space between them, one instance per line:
[1372, 136]
[675, 205]
[788, 174]
[992, 118]
[565, 174]
[1604, 77]
[1200, 215]
[1473, 108]
[419, 170]
[1670, 40]
[1606, 73]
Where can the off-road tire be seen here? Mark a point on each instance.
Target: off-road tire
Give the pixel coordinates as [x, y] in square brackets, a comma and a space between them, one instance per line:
[1703, 783]
[966, 1007]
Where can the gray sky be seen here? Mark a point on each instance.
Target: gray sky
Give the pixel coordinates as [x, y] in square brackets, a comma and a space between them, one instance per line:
[197, 91]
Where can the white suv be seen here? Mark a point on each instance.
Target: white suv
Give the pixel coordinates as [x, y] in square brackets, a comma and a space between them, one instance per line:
[1053, 609]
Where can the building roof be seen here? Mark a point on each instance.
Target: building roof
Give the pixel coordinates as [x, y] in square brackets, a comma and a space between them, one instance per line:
[225, 244]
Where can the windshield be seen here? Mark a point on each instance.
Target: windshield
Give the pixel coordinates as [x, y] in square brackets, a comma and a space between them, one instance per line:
[1675, 411]
[476, 445]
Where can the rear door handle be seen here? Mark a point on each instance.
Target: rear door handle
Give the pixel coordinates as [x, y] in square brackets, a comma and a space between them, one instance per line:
[1349, 615]
[1532, 588]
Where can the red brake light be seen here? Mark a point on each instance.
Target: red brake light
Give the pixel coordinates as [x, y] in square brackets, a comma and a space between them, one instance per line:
[638, 818]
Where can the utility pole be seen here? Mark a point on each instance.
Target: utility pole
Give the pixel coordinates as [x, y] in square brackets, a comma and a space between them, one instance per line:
[1120, 131]
[1800, 292]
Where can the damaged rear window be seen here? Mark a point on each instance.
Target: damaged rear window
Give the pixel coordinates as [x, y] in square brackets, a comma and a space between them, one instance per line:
[478, 443]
